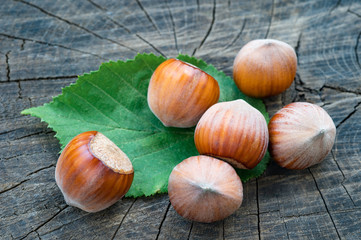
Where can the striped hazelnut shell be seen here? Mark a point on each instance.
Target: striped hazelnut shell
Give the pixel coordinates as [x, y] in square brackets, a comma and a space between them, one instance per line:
[204, 189]
[179, 93]
[264, 68]
[301, 135]
[233, 131]
[92, 172]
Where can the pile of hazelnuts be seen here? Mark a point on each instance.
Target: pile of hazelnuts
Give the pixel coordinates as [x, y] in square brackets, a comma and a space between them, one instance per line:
[228, 135]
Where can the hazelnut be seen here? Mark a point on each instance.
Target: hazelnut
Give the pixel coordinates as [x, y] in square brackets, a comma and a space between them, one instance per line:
[92, 172]
[301, 135]
[233, 131]
[264, 68]
[179, 93]
[204, 189]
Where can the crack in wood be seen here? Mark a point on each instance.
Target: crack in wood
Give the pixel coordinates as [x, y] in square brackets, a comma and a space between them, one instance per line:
[173, 26]
[223, 231]
[14, 186]
[324, 203]
[163, 219]
[190, 231]
[49, 44]
[32, 134]
[7, 132]
[285, 224]
[22, 46]
[288, 217]
[19, 91]
[298, 81]
[97, 5]
[198, 6]
[60, 227]
[67, 223]
[304, 214]
[38, 235]
[283, 98]
[237, 36]
[75, 25]
[258, 211]
[118, 24]
[297, 47]
[338, 166]
[354, 13]
[14, 156]
[270, 23]
[7, 66]
[121, 222]
[47, 221]
[30, 102]
[130, 32]
[27, 179]
[147, 15]
[150, 44]
[348, 116]
[136, 34]
[336, 6]
[301, 89]
[209, 29]
[357, 39]
[308, 89]
[349, 195]
[40, 169]
[356, 48]
[342, 89]
[42, 78]
[46, 132]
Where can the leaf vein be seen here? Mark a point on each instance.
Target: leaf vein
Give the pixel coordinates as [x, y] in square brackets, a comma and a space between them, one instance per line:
[119, 103]
[93, 107]
[124, 81]
[161, 149]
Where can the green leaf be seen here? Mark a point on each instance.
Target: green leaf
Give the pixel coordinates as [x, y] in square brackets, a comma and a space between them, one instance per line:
[113, 100]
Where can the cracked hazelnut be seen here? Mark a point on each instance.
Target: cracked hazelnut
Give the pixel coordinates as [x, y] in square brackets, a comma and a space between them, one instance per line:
[92, 172]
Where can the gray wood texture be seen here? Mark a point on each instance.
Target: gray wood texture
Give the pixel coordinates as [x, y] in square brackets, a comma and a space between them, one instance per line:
[46, 44]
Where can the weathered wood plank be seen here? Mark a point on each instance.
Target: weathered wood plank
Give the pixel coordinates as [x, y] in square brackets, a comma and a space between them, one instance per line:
[143, 221]
[101, 225]
[348, 224]
[174, 226]
[314, 226]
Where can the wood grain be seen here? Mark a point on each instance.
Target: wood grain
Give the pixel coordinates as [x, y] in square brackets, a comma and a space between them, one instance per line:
[46, 44]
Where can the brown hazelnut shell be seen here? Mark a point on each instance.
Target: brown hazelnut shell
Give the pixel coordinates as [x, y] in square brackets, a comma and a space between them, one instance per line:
[233, 131]
[301, 135]
[92, 172]
[264, 68]
[179, 93]
[204, 189]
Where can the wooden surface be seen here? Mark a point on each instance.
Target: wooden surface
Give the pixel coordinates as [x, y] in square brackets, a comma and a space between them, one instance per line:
[45, 44]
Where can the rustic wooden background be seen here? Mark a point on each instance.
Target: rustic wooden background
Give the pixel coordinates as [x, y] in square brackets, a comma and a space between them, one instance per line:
[45, 44]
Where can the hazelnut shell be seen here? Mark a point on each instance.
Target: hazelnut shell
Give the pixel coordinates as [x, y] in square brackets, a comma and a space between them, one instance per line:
[233, 131]
[179, 93]
[264, 68]
[301, 135]
[205, 189]
[92, 172]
